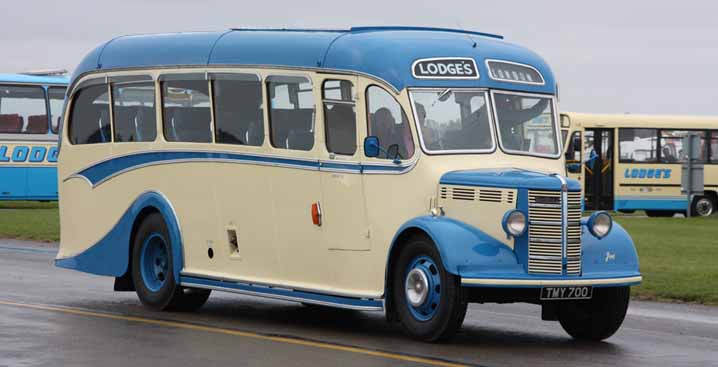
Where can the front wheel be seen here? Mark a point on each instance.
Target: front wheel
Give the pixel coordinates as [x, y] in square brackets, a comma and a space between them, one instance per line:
[597, 318]
[427, 298]
[152, 270]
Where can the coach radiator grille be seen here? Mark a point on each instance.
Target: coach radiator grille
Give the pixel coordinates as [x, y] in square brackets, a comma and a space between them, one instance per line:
[546, 235]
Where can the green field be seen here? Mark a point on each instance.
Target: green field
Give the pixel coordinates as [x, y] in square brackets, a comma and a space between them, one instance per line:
[679, 257]
[29, 221]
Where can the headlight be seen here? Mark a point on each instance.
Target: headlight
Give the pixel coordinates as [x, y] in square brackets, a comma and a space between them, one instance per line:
[514, 223]
[600, 224]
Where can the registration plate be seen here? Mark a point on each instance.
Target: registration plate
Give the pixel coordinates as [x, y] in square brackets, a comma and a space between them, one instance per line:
[558, 293]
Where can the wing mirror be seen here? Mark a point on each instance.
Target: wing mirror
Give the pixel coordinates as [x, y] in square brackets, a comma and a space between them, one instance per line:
[371, 146]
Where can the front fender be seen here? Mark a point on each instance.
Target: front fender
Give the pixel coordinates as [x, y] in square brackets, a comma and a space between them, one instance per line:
[463, 248]
[613, 254]
[110, 255]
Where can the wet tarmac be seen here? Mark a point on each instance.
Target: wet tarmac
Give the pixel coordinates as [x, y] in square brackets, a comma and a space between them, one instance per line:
[56, 317]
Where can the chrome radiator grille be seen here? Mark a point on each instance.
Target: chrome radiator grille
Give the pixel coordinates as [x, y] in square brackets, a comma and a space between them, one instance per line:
[548, 243]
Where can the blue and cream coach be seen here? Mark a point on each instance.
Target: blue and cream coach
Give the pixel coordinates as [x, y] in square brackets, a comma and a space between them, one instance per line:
[409, 170]
[30, 108]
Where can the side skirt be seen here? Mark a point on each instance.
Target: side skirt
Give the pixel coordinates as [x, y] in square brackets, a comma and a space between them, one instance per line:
[363, 304]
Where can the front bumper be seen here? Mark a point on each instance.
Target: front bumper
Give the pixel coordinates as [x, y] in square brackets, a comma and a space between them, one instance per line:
[538, 282]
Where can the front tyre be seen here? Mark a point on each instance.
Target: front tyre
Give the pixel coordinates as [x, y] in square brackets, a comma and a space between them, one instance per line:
[152, 270]
[598, 318]
[427, 298]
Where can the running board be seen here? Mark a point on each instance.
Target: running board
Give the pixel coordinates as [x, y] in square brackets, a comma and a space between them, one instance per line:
[363, 304]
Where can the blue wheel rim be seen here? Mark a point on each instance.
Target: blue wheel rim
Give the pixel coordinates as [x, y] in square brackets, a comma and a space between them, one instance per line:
[428, 308]
[154, 262]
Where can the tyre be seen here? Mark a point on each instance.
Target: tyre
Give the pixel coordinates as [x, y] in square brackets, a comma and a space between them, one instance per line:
[427, 298]
[703, 206]
[152, 270]
[660, 213]
[598, 318]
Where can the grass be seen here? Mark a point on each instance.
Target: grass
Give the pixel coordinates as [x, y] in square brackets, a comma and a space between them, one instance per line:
[679, 257]
[28, 220]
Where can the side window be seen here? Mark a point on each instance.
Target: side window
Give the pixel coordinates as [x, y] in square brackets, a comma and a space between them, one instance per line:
[57, 100]
[291, 112]
[238, 110]
[134, 112]
[22, 110]
[90, 116]
[714, 146]
[186, 111]
[387, 121]
[637, 145]
[340, 116]
[672, 146]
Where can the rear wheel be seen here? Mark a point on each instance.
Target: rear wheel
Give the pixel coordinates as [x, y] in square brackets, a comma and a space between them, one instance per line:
[597, 318]
[152, 270]
[427, 298]
[703, 206]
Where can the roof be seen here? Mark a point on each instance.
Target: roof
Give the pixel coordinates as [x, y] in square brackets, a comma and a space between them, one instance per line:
[384, 52]
[33, 79]
[642, 121]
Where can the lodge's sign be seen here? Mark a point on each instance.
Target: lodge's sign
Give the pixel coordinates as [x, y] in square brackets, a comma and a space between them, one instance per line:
[445, 68]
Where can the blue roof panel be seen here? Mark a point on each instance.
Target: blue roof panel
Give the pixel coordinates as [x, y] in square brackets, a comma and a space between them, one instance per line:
[262, 47]
[384, 52]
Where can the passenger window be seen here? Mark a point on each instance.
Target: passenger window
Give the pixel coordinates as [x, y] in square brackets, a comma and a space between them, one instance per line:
[57, 100]
[291, 112]
[90, 116]
[637, 145]
[388, 122]
[340, 116]
[186, 111]
[672, 150]
[238, 110]
[714, 147]
[22, 110]
[134, 112]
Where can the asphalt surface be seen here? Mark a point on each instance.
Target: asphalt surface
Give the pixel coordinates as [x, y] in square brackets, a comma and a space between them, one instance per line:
[56, 317]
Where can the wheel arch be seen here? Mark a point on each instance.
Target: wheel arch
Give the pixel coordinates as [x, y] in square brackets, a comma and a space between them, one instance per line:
[110, 256]
[460, 245]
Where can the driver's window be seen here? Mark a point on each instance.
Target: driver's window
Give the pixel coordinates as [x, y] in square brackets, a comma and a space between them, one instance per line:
[387, 121]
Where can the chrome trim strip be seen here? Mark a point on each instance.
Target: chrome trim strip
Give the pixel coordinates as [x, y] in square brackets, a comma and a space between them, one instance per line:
[564, 220]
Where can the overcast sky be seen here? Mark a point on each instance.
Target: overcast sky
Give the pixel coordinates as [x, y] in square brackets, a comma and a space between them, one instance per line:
[609, 56]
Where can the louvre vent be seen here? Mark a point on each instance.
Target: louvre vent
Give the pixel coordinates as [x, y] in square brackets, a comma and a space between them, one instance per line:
[475, 194]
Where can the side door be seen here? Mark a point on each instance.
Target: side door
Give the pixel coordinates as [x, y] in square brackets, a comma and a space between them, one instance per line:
[598, 168]
[343, 208]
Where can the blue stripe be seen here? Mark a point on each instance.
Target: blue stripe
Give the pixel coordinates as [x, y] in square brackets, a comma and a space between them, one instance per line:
[270, 291]
[112, 167]
[620, 203]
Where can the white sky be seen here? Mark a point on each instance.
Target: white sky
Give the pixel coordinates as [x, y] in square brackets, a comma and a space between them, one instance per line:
[637, 56]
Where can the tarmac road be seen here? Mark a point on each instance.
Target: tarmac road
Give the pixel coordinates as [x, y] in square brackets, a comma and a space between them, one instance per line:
[56, 317]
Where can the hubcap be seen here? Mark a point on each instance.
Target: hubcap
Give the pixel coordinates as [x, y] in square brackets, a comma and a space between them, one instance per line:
[422, 288]
[704, 207]
[417, 286]
[154, 262]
